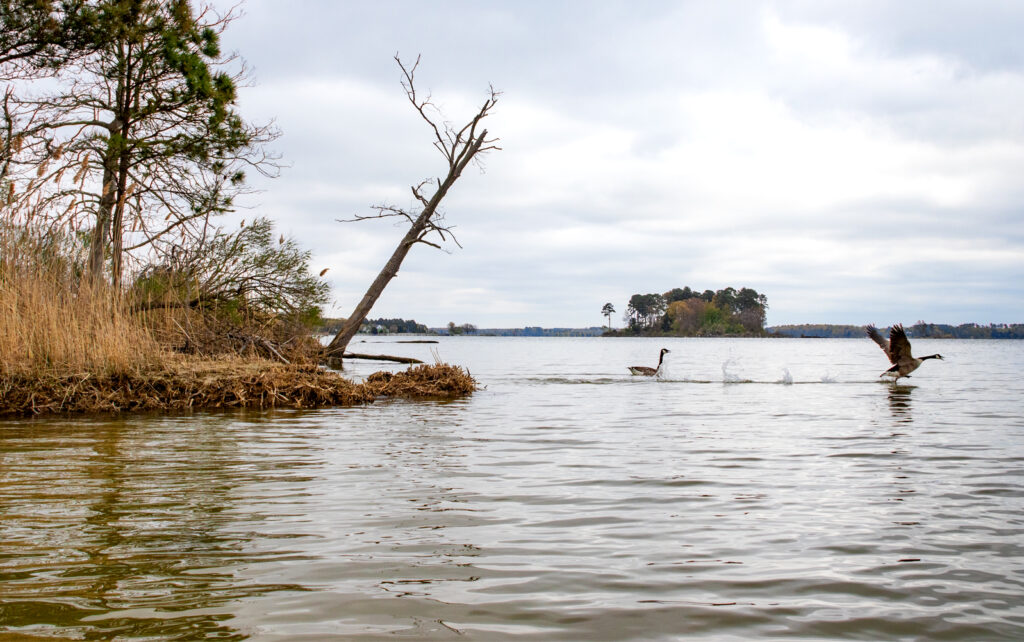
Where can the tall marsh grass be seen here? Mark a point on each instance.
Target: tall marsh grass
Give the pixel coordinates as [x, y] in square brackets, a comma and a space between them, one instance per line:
[53, 322]
[66, 347]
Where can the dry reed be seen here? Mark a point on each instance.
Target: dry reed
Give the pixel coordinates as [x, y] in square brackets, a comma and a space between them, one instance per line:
[67, 348]
[48, 324]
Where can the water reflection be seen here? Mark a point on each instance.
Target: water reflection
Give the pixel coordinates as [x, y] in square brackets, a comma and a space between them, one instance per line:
[899, 403]
[128, 529]
[566, 501]
[418, 466]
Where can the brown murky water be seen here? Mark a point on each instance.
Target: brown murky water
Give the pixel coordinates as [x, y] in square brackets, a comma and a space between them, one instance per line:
[566, 501]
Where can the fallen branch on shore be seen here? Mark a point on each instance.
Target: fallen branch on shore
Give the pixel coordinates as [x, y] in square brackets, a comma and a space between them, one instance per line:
[222, 384]
[381, 357]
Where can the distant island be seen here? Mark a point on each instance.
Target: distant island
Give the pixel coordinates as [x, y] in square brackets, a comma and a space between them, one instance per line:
[685, 312]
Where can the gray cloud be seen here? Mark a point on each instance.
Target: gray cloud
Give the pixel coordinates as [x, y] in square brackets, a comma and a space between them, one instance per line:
[855, 162]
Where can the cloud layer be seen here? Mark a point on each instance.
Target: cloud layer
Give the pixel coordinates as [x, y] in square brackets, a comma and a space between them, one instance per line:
[854, 163]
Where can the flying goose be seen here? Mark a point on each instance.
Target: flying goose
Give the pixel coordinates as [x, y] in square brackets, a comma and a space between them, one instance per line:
[897, 348]
[647, 371]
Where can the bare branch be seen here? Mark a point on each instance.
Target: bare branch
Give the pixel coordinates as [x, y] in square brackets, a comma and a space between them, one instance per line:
[383, 211]
[459, 147]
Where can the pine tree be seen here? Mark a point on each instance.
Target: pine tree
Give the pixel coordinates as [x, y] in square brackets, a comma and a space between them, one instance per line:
[141, 142]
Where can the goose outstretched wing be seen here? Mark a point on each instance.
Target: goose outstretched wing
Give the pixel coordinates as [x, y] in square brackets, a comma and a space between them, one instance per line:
[899, 345]
[882, 342]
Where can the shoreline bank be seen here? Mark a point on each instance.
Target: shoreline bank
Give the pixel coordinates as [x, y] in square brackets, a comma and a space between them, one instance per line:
[212, 384]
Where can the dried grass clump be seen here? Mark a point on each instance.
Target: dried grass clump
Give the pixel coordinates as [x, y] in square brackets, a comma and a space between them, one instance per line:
[67, 347]
[184, 387]
[237, 383]
[440, 380]
[51, 324]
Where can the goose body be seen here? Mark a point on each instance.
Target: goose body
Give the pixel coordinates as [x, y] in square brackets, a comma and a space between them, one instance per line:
[897, 348]
[648, 371]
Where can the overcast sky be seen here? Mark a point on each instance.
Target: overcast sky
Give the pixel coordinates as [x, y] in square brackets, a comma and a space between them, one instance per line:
[855, 162]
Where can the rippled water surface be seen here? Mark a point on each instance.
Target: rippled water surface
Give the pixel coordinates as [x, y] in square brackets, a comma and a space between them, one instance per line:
[565, 501]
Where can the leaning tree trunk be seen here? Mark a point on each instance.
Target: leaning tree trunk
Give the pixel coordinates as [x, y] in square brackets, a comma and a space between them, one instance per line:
[422, 224]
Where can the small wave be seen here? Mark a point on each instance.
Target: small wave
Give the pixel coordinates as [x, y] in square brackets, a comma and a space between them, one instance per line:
[683, 380]
[596, 381]
[787, 380]
[890, 383]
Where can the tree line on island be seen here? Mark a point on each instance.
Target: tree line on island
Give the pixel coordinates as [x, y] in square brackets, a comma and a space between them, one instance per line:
[686, 312]
[921, 329]
[375, 326]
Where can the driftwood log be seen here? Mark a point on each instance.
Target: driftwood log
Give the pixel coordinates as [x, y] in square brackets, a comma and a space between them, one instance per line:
[381, 357]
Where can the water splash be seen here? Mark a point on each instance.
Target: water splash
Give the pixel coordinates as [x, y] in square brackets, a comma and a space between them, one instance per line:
[787, 378]
[663, 373]
[729, 377]
[828, 378]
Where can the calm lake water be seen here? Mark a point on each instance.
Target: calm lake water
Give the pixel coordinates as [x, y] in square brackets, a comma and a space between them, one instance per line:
[566, 501]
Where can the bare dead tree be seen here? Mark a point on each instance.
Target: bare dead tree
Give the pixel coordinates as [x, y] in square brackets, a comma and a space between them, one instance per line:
[459, 147]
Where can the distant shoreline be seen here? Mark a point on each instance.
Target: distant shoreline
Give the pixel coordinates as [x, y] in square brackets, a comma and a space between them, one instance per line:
[788, 331]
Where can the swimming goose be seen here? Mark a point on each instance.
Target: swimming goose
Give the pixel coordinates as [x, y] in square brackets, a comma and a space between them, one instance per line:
[897, 348]
[647, 371]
